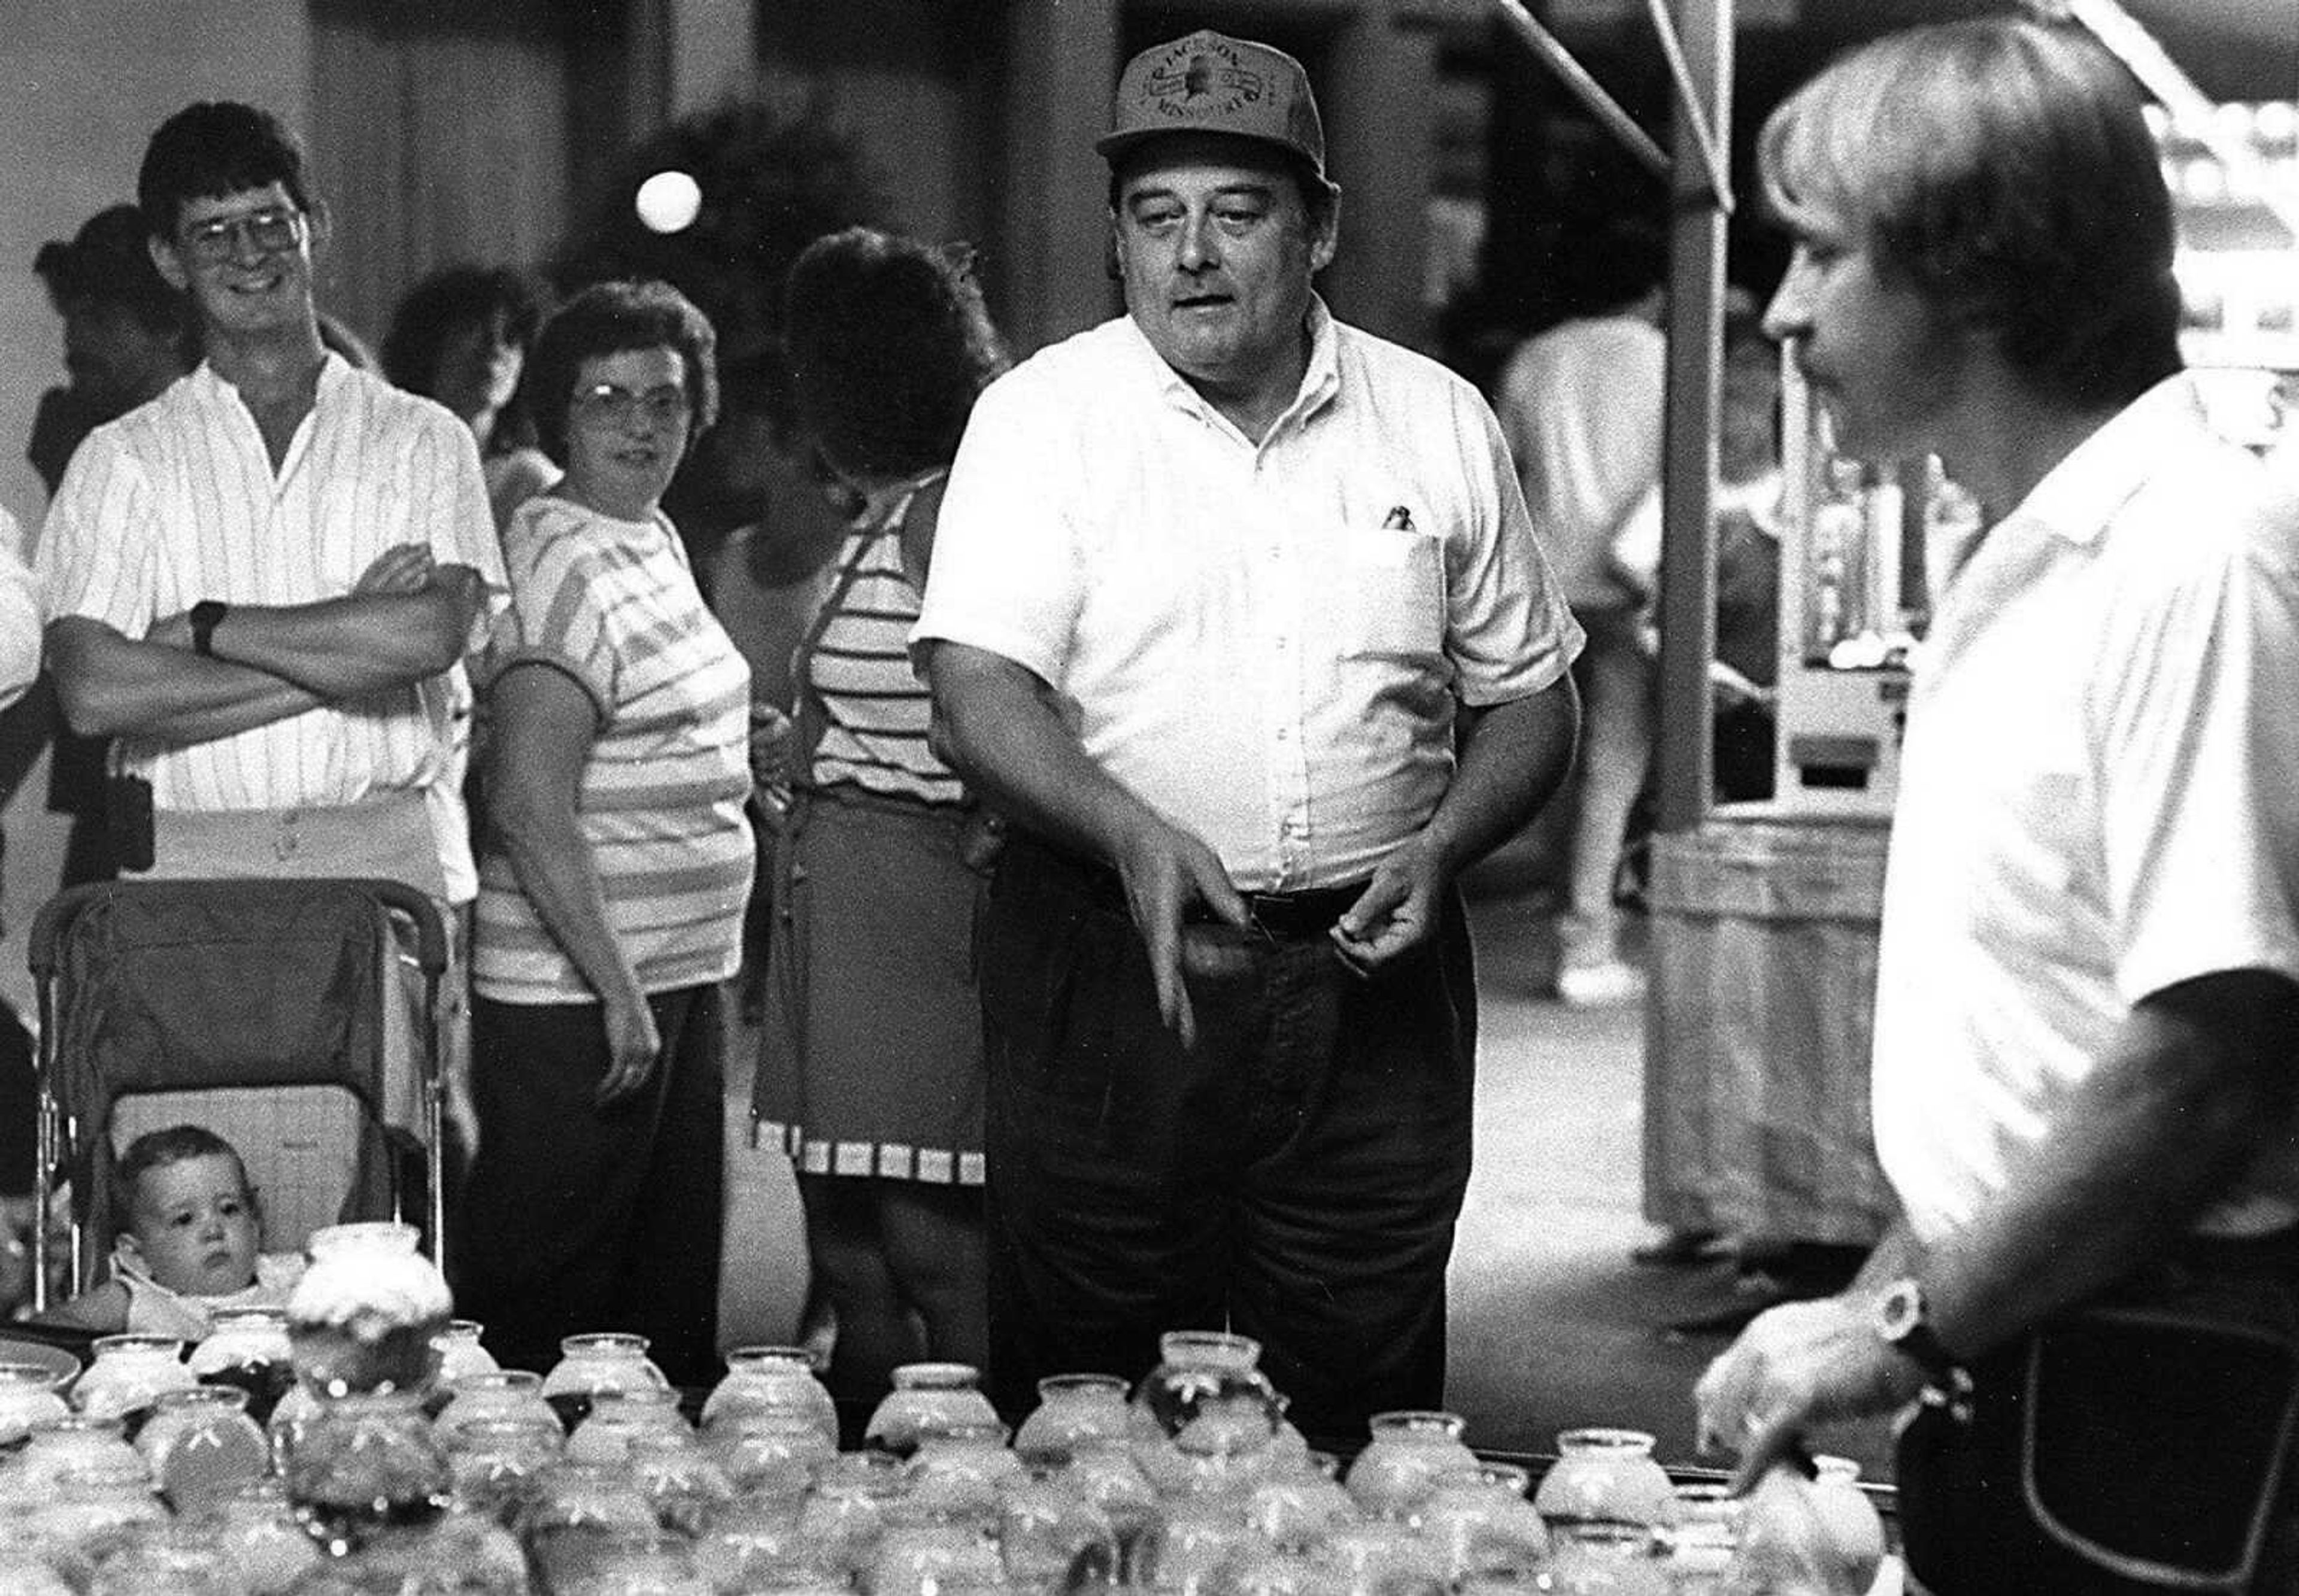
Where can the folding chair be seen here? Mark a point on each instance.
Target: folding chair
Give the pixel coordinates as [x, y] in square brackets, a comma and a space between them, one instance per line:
[257, 988]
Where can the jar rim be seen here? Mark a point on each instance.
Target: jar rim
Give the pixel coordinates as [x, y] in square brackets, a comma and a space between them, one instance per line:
[31, 1374]
[197, 1396]
[1216, 1345]
[497, 1379]
[604, 1340]
[746, 1357]
[249, 1313]
[1082, 1381]
[1418, 1419]
[936, 1377]
[1605, 1438]
[137, 1341]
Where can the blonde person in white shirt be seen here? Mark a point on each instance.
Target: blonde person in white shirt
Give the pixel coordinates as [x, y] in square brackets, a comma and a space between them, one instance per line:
[1220, 589]
[2087, 982]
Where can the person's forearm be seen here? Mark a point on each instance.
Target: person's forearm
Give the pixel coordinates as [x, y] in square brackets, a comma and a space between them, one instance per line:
[111, 686]
[1512, 758]
[361, 643]
[994, 727]
[559, 877]
[2157, 1133]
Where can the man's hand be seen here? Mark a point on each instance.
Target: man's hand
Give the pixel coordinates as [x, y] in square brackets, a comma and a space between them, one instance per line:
[1166, 871]
[403, 567]
[1797, 1366]
[633, 1045]
[1398, 911]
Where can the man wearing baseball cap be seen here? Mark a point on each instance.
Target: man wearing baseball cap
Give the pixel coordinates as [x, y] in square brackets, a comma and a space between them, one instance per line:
[1220, 587]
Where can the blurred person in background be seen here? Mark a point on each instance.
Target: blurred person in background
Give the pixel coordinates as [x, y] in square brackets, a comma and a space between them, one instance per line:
[615, 861]
[2087, 988]
[20, 665]
[1580, 405]
[461, 336]
[871, 1072]
[128, 335]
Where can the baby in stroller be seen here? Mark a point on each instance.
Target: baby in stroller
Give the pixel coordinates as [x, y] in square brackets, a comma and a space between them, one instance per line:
[191, 1242]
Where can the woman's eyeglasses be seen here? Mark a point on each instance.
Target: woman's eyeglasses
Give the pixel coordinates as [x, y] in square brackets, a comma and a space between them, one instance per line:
[612, 402]
[271, 232]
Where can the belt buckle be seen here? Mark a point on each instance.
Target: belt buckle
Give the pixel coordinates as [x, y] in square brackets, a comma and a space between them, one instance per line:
[1255, 903]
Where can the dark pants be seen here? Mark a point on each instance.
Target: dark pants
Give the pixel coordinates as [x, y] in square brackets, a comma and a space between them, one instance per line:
[2144, 1442]
[1295, 1179]
[576, 1220]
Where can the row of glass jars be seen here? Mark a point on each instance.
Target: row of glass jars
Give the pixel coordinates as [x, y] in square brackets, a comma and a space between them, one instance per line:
[1195, 1484]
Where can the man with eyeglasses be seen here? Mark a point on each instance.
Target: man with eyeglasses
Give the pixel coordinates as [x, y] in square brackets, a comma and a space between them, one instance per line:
[262, 582]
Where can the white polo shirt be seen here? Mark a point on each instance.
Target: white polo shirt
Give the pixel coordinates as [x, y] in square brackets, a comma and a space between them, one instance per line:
[177, 502]
[2099, 799]
[1265, 644]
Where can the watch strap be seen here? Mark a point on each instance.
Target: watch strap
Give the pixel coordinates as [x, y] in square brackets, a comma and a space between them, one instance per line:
[205, 615]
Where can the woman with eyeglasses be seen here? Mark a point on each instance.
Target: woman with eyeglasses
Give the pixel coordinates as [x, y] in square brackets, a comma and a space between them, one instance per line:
[871, 1071]
[615, 864]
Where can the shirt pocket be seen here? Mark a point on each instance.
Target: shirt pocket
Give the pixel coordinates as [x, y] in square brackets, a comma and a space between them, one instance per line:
[1393, 595]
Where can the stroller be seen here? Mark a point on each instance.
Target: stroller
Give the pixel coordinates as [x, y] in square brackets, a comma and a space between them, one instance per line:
[279, 1003]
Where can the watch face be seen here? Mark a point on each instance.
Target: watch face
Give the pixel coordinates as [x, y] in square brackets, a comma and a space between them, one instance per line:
[1900, 1309]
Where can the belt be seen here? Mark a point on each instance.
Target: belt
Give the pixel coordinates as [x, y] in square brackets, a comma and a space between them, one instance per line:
[1281, 917]
[1295, 916]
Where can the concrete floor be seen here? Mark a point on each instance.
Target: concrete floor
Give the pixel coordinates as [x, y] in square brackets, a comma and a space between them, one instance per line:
[1553, 1326]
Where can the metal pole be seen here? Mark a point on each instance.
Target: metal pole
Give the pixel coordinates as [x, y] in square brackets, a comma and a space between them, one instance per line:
[1696, 298]
[1585, 88]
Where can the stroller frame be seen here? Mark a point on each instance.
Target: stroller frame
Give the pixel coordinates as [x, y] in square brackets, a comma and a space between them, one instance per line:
[110, 962]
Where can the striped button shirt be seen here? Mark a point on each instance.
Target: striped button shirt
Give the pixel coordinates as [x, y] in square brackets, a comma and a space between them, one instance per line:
[177, 502]
[614, 605]
[875, 712]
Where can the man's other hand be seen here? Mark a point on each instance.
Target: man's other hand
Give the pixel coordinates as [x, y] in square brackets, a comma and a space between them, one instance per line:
[1398, 911]
[403, 567]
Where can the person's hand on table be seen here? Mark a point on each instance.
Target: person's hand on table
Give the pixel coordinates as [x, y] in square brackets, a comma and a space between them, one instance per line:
[1795, 1366]
[1165, 871]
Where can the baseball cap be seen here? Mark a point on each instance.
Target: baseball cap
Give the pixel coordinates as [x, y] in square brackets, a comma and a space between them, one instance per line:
[106, 260]
[1211, 83]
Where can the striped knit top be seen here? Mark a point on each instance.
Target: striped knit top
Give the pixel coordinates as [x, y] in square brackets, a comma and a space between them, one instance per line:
[614, 605]
[875, 709]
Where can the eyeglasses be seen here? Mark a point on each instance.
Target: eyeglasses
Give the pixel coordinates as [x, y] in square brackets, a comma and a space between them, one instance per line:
[272, 231]
[613, 402]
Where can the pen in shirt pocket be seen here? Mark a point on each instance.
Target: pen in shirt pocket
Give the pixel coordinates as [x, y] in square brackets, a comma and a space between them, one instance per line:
[1398, 519]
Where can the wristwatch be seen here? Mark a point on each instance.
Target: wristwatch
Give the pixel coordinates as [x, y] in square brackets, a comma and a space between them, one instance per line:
[206, 615]
[1902, 1324]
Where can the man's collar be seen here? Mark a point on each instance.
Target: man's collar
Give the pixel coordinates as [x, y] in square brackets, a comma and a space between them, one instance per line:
[1320, 380]
[2078, 496]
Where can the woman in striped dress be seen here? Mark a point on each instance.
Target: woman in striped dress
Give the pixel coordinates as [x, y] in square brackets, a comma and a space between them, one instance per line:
[615, 864]
[871, 1072]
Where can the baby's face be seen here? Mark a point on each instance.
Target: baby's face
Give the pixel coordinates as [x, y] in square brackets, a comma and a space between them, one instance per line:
[195, 1226]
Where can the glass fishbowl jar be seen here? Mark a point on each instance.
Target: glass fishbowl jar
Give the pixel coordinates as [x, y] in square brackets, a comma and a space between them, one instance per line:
[594, 1364]
[927, 1395]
